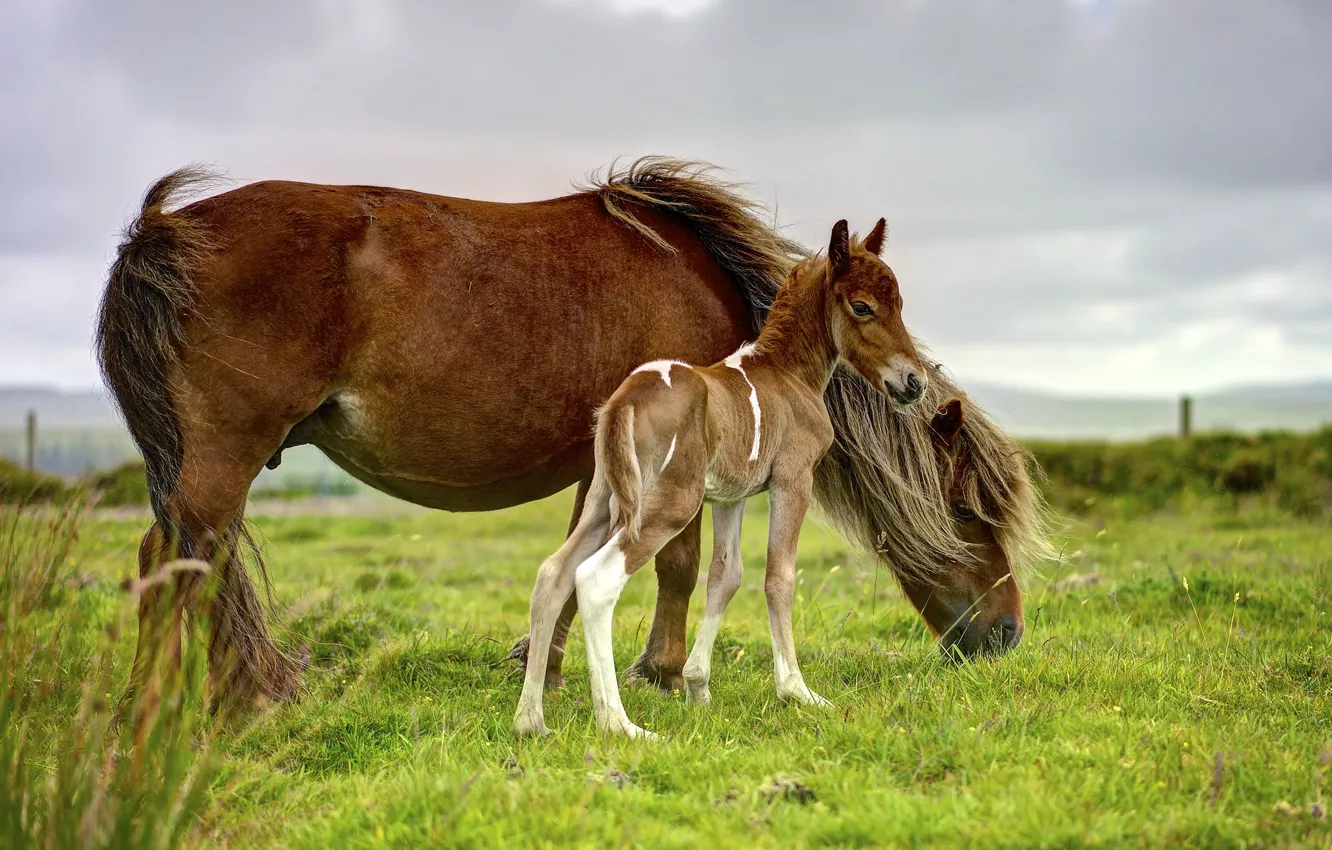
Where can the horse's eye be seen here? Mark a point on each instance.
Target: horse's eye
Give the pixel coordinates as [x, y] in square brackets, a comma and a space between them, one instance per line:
[861, 309]
[962, 513]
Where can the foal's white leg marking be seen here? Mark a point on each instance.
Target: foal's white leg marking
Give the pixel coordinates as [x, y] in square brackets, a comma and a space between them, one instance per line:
[724, 576]
[734, 362]
[786, 669]
[669, 453]
[599, 581]
[661, 367]
[553, 585]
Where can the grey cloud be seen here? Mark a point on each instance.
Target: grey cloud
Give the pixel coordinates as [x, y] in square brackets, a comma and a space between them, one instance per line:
[1213, 91]
[1051, 178]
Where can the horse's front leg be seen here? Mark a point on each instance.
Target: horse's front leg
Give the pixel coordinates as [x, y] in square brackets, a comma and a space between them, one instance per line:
[790, 503]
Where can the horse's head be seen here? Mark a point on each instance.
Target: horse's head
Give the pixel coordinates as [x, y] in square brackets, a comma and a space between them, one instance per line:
[865, 316]
[974, 607]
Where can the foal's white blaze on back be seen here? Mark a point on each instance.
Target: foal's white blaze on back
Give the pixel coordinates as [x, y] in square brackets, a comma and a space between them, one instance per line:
[669, 453]
[733, 362]
[661, 367]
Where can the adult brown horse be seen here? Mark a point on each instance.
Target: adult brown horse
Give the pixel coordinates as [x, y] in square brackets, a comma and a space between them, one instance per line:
[451, 353]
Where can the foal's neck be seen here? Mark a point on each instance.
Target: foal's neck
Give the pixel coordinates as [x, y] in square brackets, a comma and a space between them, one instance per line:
[796, 339]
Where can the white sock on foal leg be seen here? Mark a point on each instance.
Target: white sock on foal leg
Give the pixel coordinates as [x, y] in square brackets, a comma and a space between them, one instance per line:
[599, 581]
[785, 668]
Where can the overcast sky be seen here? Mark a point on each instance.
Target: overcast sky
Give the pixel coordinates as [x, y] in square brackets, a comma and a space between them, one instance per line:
[1086, 196]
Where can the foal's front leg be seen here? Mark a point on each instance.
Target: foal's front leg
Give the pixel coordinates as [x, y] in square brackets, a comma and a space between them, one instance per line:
[790, 502]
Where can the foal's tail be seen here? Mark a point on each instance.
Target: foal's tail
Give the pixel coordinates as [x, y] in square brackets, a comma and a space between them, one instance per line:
[617, 461]
[149, 288]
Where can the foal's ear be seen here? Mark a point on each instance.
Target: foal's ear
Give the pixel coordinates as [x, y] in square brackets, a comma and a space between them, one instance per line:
[874, 242]
[947, 423]
[839, 249]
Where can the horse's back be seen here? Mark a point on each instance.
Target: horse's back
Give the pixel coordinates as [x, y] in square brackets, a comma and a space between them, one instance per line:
[448, 351]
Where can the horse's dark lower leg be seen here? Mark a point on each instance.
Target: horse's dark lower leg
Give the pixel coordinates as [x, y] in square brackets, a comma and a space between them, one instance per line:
[555, 660]
[246, 667]
[662, 661]
[206, 512]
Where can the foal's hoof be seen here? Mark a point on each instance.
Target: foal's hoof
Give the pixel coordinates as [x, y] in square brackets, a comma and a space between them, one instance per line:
[530, 725]
[698, 694]
[635, 732]
[805, 696]
[645, 670]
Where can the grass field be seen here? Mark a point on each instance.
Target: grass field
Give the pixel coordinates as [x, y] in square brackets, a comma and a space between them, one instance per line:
[1139, 710]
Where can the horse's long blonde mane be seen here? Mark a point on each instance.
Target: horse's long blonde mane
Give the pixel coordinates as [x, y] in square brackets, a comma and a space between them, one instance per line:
[882, 482]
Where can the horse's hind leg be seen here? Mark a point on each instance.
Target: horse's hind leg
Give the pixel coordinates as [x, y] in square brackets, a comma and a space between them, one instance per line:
[207, 508]
[663, 659]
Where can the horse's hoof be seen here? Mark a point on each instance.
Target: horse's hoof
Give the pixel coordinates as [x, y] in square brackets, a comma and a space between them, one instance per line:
[518, 654]
[519, 651]
[645, 671]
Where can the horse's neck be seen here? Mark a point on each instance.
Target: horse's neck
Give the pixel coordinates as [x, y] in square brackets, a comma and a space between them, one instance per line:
[795, 339]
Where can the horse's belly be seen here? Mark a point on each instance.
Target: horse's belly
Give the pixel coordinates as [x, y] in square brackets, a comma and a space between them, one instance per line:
[424, 455]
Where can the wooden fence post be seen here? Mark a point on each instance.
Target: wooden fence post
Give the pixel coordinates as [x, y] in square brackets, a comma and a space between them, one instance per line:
[1185, 417]
[32, 441]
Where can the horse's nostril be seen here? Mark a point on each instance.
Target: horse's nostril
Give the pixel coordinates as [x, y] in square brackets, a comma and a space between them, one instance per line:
[914, 388]
[1006, 632]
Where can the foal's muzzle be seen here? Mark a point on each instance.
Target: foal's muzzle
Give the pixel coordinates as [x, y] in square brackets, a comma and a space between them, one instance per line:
[910, 394]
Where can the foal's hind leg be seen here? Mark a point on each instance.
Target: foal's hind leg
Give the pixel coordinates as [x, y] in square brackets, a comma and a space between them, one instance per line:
[555, 659]
[600, 580]
[663, 659]
[724, 575]
[553, 589]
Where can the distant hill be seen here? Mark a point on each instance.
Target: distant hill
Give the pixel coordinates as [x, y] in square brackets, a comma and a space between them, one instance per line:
[1295, 407]
[56, 408]
[80, 430]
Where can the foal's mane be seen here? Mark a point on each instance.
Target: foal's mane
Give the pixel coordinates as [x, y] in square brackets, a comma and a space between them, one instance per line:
[882, 481]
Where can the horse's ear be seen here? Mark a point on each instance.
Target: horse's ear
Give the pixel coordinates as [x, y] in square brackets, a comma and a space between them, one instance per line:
[947, 423]
[839, 248]
[874, 242]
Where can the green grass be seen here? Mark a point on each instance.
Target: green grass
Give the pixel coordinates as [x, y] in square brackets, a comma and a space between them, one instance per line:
[1135, 712]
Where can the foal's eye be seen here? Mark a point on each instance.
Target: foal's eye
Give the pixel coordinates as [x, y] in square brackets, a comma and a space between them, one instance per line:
[962, 513]
[861, 309]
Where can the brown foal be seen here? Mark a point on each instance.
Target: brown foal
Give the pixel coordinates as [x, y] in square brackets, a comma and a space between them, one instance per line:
[673, 436]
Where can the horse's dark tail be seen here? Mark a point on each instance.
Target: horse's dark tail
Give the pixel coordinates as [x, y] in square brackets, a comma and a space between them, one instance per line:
[879, 483]
[150, 290]
[150, 286]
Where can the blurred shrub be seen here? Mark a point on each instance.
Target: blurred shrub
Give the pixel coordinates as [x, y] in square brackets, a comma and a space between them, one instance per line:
[1293, 472]
[126, 484]
[19, 486]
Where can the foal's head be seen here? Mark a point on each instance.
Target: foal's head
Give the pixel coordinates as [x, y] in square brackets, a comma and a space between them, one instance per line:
[865, 316]
[973, 607]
